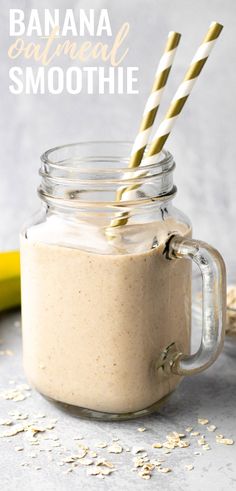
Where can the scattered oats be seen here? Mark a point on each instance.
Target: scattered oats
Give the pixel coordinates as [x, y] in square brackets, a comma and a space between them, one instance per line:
[141, 429]
[218, 435]
[92, 453]
[84, 447]
[202, 421]
[38, 468]
[195, 433]
[136, 450]
[211, 428]
[32, 455]
[23, 416]
[39, 415]
[161, 460]
[50, 426]
[82, 454]
[106, 472]
[5, 422]
[37, 429]
[85, 461]
[18, 449]
[183, 444]
[127, 449]
[157, 445]
[144, 475]
[174, 436]
[12, 432]
[79, 437]
[17, 415]
[104, 462]
[94, 471]
[101, 445]
[189, 429]
[17, 394]
[166, 452]
[189, 467]
[201, 441]
[138, 462]
[148, 467]
[224, 441]
[23, 387]
[70, 459]
[155, 462]
[19, 397]
[115, 448]
[115, 439]
[206, 446]
[174, 440]
[169, 445]
[56, 444]
[164, 470]
[197, 453]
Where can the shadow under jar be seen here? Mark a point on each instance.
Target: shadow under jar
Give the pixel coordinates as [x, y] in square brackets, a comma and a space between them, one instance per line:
[106, 284]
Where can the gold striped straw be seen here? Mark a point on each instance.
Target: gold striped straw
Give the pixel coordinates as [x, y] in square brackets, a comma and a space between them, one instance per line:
[175, 108]
[183, 92]
[154, 99]
[149, 113]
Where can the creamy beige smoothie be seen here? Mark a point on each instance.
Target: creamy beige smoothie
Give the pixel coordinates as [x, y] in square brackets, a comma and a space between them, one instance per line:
[94, 325]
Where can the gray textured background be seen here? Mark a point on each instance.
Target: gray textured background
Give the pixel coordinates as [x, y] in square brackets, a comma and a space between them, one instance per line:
[202, 142]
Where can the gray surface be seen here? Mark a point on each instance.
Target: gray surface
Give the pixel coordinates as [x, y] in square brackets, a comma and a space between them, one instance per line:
[210, 395]
[203, 141]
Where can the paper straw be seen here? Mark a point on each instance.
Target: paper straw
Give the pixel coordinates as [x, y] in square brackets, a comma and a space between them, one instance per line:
[183, 92]
[151, 108]
[175, 108]
[154, 99]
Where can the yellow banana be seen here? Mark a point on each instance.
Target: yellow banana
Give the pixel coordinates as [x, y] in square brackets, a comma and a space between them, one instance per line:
[9, 280]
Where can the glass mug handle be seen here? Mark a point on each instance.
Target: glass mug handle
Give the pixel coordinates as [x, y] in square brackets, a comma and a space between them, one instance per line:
[212, 268]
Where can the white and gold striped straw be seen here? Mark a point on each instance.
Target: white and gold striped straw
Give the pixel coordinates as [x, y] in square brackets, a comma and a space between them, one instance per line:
[174, 110]
[183, 92]
[154, 99]
[150, 111]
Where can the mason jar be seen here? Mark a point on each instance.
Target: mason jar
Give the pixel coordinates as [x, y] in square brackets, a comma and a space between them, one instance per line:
[106, 284]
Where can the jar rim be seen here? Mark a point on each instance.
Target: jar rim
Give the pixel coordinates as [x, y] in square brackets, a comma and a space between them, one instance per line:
[91, 171]
[73, 163]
